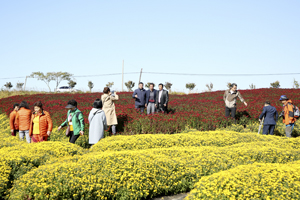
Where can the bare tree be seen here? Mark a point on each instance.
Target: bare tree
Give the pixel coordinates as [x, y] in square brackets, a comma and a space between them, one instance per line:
[296, 84]
[210, 87]
[190, 86]
[109, 84]
[252, 86]
[47, 78]
[90, 85]
[129, 85]
[8, 85]
[276, 84]
[61, 76]
[168, 86]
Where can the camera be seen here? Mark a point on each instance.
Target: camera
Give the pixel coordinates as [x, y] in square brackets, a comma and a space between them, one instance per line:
[281, 114]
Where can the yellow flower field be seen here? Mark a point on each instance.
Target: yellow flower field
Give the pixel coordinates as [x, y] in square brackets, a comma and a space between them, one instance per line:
[255, 181]
[212, 165]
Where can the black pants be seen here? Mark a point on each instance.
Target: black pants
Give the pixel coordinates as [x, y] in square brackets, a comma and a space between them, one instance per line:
[15, 132]
[73, 137]
[161, 108]
[230, 110]
[141, 108]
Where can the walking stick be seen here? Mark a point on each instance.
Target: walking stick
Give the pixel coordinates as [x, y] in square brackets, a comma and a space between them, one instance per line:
[261, 123]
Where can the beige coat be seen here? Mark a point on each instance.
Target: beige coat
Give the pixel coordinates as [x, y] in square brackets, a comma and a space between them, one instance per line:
[230, 99]
[109, 108]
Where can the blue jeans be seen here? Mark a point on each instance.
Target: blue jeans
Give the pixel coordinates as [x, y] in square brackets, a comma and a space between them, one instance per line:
[289, 129]
[25, 133]
[114, 129]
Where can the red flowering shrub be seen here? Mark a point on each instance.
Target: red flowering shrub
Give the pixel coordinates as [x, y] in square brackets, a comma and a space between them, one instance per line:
[203, 111]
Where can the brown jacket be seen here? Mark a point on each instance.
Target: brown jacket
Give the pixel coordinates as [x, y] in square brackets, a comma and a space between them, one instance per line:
[45, 123]
[230, 99]
[288, 109]
[109, 108]
[23, 119]
[12, 120]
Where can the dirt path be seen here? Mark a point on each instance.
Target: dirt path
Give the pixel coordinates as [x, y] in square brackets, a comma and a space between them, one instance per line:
[173, 197]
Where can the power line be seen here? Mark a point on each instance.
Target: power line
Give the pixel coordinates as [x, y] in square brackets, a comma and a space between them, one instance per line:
[14, 77]
[177, 74]
[106, 74]
[83, 75]
[184, 74]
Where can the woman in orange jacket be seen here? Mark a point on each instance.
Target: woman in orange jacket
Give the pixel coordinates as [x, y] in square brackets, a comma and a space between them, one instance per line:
[23, 120]
[41, 124]
[14, 127]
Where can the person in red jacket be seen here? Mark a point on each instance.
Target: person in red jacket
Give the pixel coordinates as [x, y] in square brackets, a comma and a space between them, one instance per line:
[14, 127]
[41, 124]
[288, 115]
[23, 119]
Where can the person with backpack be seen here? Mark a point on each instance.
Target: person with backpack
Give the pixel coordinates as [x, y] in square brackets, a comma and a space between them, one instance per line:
[41, 124]
[289, 114]
[230, 97]
[14, 127]
[74, 121]
[23, 118]
[97, 121]
[108, 100]
[270, 116]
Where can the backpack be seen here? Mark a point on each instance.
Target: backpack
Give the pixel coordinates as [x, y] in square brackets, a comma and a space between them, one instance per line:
[296, 111]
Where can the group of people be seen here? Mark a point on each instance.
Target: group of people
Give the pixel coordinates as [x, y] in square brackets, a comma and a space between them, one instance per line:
[37, 125]
[153, 100]
[269, 115]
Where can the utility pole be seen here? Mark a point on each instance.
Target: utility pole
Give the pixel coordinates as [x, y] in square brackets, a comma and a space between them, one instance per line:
[140, 75]
[122, 75]
[25, 82]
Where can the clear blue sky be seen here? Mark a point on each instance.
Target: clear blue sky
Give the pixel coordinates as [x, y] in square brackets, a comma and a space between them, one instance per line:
[93, 37]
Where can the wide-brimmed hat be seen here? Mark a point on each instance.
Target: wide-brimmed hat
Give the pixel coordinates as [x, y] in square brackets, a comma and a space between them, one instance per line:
[283, 97]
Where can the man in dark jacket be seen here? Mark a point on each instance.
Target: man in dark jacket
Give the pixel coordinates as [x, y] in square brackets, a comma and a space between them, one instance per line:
[162, 99]
[150, 99]
[140, 97]
[270, 115]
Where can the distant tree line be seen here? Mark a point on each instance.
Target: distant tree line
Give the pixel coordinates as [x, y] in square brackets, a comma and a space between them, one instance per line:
[58, 77]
